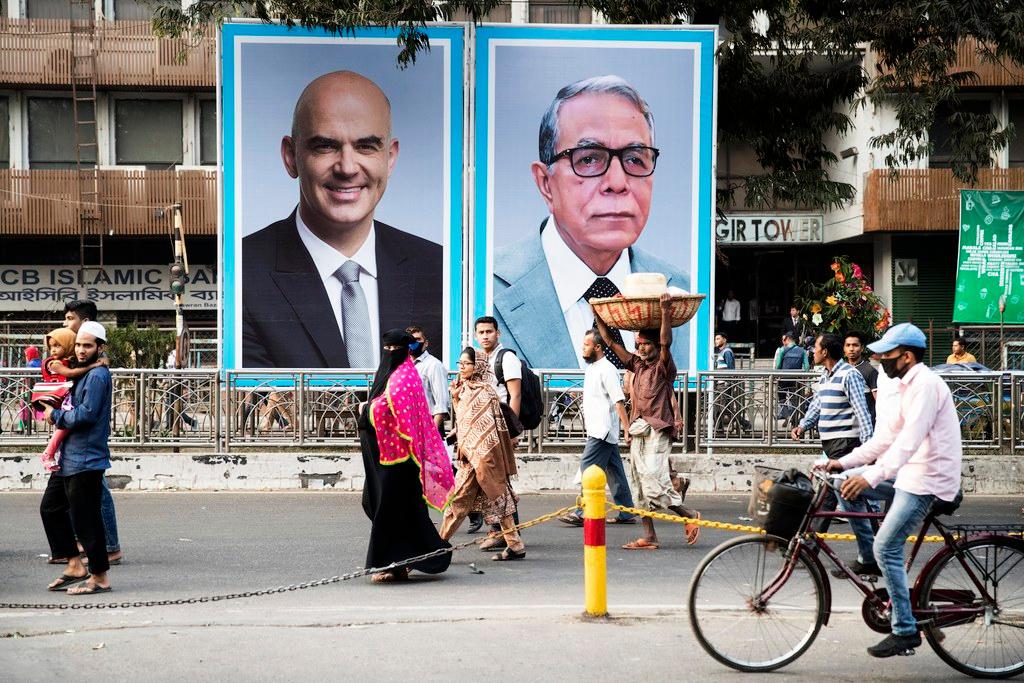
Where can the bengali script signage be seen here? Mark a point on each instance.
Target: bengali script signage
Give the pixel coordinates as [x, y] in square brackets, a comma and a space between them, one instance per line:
[114, 287]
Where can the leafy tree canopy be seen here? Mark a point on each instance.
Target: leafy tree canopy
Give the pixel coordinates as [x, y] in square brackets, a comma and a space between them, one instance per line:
[790, 71]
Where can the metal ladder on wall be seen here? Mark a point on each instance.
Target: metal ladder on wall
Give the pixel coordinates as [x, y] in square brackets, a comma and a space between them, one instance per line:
[83, 106]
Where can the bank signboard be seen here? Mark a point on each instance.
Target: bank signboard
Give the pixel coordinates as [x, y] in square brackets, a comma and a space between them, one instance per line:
[112, 287]
[754, 229]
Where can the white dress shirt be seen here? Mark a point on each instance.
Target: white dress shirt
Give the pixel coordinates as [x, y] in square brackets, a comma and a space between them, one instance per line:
[511, 368]
[327, 260]
[602, 389]
[731, 310]
[435, 382]
[572, 278]
[918, 440]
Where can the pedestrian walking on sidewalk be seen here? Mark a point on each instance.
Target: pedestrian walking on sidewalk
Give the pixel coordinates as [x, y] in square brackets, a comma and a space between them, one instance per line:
[485, 456]
[652, 423]
[71, 504]
[604, 415]
[407, 466]
[839, 409]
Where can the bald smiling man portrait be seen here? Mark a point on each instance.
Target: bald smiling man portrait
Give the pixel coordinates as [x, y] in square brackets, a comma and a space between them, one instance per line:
[319, 286]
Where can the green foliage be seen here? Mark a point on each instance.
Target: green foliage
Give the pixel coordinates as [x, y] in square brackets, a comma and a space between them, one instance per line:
[843, 303]
[790, 71]
[130, 347]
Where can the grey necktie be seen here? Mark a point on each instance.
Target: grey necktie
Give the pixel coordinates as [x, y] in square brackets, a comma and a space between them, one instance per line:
[355, 317]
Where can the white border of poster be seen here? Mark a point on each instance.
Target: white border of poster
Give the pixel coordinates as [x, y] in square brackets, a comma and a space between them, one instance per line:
[685, 137]
[273, 198]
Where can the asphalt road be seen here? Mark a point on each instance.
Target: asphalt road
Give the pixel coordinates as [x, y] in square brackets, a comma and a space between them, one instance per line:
[514, 621]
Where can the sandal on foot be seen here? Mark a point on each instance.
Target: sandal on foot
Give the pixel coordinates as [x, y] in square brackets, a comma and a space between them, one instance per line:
[640, 544]
[89, 589]
[508, 554]
[391, 576]
[64, 581]
[57, 560]
[493, 544]
[692, 530]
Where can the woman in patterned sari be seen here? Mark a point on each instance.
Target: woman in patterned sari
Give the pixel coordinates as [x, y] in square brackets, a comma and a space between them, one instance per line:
[485, 457]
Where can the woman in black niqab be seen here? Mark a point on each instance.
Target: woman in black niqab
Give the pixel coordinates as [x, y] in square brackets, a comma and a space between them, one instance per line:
[393, 494]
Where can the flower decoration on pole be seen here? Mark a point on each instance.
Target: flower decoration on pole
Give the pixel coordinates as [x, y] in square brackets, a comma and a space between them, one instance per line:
[844, 302]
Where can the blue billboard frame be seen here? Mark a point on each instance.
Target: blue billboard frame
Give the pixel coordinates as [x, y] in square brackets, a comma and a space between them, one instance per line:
[705, 41]
[229, 269]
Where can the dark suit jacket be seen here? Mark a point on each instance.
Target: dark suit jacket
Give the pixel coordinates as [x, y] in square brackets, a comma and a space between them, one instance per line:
[287, 321]
[795, 330]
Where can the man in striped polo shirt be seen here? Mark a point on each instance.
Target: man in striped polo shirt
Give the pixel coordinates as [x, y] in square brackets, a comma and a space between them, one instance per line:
[839, 408]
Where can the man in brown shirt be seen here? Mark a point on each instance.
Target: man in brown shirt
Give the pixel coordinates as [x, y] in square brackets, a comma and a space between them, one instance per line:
[652, 423]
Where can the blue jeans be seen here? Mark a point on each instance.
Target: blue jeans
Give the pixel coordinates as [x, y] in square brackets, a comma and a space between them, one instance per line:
[606, 456]
[883, 493]
[903, 519]
[109, 518]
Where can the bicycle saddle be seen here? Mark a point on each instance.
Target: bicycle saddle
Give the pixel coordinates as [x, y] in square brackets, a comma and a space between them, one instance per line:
[947, 507]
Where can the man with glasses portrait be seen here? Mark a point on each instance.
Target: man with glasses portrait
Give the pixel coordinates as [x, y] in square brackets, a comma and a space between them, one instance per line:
[596, 175]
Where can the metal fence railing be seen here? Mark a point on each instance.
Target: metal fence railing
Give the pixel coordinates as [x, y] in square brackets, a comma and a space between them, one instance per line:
[741, 410]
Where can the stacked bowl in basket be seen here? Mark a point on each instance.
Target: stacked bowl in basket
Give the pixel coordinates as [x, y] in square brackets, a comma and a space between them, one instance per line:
[639, 306]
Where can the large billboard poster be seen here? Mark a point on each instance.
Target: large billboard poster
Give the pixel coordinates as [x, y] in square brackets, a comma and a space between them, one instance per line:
[594, 160]
[343, 197]
[990, 267]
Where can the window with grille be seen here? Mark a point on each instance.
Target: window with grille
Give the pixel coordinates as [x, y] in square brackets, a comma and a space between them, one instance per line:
[558, 13]
[939, 133]
[56, 9]
[148, 133]
[139, 10]
[207, 132]
[5, 137]
[1017, 144]
[500, 14]
[51, 133]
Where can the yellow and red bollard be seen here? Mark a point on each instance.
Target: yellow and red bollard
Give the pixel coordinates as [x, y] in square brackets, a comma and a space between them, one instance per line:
[594, 552]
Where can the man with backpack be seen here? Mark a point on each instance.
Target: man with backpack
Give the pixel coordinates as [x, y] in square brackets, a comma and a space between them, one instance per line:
[790, 356]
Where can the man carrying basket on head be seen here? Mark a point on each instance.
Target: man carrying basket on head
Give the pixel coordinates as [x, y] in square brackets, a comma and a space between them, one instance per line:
[652, 422]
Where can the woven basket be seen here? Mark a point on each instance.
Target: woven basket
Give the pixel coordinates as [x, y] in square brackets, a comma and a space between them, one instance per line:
[645, 313]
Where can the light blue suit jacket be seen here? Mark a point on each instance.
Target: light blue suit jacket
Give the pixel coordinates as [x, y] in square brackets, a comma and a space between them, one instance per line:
[529, 317]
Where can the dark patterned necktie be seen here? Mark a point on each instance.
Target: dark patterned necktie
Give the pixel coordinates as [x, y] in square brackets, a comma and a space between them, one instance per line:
[602, 289]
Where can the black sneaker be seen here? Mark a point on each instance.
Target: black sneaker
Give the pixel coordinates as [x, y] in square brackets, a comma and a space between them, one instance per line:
[858, 568]
[896, 645]
[476, 520]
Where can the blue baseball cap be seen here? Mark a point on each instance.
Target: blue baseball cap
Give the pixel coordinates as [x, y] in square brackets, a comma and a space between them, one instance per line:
[903, 334]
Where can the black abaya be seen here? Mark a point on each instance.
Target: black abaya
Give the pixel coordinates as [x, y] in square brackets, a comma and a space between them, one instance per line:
[393, 500]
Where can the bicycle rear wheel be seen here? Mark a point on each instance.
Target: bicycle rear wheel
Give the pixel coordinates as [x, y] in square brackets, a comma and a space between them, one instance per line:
[734, 625]
[990, 644]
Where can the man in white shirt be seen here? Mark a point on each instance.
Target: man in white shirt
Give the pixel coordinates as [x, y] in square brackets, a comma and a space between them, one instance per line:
[731, 314]
[920, 446]
[320, 286]
[604, 413]
[509, 378]
[434, 376]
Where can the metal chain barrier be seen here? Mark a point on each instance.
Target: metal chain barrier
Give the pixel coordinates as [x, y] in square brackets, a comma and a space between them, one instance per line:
[280, 589]
[709, 524]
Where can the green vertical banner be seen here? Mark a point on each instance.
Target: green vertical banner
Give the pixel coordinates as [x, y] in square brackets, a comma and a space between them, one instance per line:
[990, 269]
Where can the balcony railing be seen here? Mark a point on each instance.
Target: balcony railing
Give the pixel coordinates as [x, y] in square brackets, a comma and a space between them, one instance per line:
[133, 202]
[990, 74]
[38, 52]
[925, 200]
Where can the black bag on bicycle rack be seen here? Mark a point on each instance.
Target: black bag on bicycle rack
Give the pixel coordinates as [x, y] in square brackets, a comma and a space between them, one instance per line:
[789, 498]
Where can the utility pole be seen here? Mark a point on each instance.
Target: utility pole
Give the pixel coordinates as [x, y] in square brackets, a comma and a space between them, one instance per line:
[179, 274]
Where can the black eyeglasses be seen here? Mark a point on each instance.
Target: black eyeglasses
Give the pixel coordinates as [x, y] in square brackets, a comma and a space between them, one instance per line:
[593, 160]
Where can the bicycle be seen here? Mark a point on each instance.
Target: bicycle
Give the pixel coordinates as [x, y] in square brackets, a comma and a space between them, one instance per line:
[757, 602]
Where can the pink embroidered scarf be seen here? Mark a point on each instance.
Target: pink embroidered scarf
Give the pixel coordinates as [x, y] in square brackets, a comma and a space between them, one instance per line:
[406, 429]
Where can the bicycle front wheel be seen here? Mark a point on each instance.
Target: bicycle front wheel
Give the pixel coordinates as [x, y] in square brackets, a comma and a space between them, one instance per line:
[732, 619]
[988, 642]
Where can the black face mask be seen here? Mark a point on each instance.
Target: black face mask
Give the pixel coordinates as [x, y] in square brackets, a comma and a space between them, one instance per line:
[891, 367]
[416, 349]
